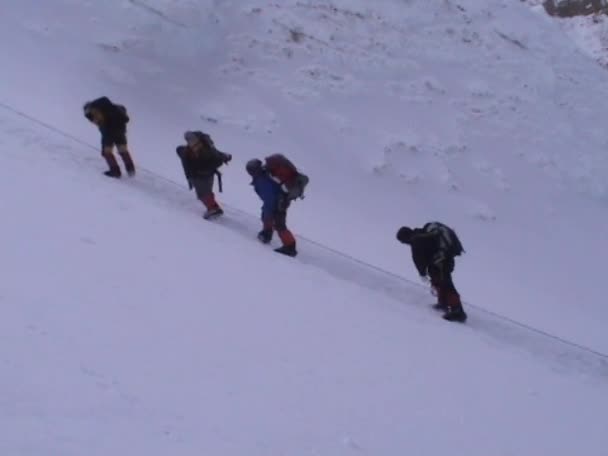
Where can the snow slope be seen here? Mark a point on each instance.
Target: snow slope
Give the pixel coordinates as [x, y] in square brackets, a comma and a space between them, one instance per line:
[480, 115]
[132, 326]
[400, 112]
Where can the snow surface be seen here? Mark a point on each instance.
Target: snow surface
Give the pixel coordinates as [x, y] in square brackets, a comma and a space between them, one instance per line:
[131, 326]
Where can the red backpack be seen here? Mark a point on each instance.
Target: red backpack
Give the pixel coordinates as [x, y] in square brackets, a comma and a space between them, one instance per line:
[283, 171]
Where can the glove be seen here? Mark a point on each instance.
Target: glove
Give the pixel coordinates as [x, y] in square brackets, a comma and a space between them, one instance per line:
[227, 158]
[265, 236]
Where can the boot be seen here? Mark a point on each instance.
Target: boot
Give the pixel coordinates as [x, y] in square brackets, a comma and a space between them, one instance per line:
[128, 161]
[114, 170]
[289, 243]
[289, 250]
[213, 213]
[213, 209]
[115, 173]
[265, 236]
[455, 314]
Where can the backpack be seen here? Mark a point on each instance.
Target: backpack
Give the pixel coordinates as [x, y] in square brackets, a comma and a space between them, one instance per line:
[206, 140]
[448, 240]
[218, 157]
[122, 113]
[108, 108]
[284, 172]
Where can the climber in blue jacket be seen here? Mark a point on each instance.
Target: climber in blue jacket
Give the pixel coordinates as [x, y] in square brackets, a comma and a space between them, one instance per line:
[274, 208]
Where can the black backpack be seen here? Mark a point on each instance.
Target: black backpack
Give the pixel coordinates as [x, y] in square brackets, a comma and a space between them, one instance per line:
[122, 113]
[448, 239]
[105, 105]
[219, 158]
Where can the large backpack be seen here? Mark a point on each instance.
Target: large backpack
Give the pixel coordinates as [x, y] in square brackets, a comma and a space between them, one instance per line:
[105, 105]
[219, 158]
[283, 171]
[448, 240]
[122, 112]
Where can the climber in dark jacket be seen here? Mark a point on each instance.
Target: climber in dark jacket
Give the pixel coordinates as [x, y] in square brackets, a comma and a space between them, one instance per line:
[201, 160]
[433, 257]
[111, 120]
[274, 208]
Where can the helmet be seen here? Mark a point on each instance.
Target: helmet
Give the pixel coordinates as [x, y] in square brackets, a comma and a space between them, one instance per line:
[254, 167]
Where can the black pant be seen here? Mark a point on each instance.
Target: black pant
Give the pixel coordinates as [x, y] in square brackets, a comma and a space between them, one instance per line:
[111, 137]
[441, 279]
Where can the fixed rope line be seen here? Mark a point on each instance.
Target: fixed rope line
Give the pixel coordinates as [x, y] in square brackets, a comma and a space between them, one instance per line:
[319, 245]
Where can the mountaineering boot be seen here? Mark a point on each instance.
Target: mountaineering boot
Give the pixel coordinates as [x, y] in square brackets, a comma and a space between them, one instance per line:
[289, 250]
[289, 243]
[265, 236]
[128, 161]
[114, 170]
[213, 213]
[455, 314]
[213, 209]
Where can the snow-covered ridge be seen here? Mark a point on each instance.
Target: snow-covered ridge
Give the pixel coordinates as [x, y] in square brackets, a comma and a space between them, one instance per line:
[421, 55]
[403, 55]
